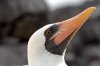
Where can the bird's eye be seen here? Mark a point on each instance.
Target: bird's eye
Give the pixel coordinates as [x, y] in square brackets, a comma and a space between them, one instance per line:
[48, 32]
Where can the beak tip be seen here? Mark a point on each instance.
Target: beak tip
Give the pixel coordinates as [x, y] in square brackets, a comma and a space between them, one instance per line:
[93, 8]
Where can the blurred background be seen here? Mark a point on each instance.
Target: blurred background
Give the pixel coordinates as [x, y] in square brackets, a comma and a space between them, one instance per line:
[19, 19]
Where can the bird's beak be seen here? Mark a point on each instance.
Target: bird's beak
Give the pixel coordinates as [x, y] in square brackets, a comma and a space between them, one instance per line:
[68, 28]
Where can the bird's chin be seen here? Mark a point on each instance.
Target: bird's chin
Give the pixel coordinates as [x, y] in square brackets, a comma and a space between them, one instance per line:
[66, 42]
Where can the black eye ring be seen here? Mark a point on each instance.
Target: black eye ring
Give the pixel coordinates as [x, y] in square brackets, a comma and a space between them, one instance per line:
[48, 32]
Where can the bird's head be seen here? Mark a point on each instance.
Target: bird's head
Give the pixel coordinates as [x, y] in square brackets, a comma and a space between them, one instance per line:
[53, 38]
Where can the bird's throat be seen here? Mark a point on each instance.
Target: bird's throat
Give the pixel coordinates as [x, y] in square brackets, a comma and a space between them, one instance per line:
[45, 59]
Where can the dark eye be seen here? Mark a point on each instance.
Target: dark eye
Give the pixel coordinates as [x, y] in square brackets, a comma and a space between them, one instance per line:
[47, 32]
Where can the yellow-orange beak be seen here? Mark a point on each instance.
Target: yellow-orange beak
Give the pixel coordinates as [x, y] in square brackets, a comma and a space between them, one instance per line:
[68, 28]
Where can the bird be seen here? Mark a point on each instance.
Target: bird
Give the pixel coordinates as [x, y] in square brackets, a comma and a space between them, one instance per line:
[47, 46]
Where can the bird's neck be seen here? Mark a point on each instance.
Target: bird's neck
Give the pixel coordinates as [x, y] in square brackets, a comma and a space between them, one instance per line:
[44, 58]
[39, 56]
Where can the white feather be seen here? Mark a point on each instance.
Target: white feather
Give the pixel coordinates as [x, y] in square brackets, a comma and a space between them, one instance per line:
[38, 55]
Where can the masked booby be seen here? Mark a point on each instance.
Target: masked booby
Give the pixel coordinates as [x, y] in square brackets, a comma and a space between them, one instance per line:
[47, 46]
